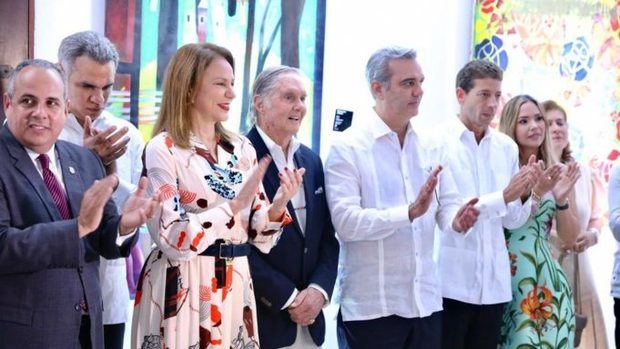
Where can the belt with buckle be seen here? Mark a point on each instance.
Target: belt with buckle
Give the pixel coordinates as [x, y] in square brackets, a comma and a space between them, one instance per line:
[226, 249]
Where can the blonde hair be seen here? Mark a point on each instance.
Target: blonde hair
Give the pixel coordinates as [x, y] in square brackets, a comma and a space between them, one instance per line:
[181, 79]
[508, 122]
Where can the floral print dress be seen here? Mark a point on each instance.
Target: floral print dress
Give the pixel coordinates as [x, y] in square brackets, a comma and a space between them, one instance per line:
[184, 299]
[541, 313]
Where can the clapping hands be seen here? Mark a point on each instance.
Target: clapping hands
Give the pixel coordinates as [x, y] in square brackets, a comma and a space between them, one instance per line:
[290, 181]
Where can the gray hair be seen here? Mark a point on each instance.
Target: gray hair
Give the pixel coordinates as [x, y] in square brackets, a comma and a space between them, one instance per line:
[88, 43]
[377, 68]
[39, 63]
[266, 81]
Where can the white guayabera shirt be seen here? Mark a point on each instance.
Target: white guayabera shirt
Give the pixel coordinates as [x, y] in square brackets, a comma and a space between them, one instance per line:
[386, 261]
[475, 268]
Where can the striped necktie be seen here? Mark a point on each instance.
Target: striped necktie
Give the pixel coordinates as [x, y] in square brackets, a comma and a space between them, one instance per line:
[54, 188]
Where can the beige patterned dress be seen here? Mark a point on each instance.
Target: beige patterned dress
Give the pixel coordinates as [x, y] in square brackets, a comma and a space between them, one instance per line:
[184, 299]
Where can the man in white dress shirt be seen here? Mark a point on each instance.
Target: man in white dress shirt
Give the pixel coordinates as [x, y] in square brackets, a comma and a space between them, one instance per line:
[89, 61]
[294, 281]
[475, 268]
[386, 192]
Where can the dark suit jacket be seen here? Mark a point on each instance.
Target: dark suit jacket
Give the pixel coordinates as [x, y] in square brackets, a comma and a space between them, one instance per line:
[45, 269]
[298, 259]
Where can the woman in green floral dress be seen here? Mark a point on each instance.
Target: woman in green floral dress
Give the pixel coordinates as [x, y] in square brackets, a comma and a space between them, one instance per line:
[541, 313]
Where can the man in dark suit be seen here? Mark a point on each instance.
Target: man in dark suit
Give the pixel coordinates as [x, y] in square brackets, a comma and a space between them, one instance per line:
[56, 219]
[295, 280]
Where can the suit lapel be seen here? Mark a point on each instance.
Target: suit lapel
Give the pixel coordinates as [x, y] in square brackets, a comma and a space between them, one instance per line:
[24, 165]
[270, 181]
[71, 178]
[308, 185]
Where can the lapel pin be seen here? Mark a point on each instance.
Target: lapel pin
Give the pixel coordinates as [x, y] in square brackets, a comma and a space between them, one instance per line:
[71, 170]
[318, 191]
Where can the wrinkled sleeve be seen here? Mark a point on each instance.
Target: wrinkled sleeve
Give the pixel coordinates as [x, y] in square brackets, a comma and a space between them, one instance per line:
[343, 187]
[448, 197]
[517, 213]
[262, 233]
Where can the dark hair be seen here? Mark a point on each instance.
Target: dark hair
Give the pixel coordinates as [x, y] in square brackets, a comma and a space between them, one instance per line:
[477, 69]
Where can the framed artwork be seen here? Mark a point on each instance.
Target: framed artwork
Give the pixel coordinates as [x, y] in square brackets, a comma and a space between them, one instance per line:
[567, 51]
[259, 33]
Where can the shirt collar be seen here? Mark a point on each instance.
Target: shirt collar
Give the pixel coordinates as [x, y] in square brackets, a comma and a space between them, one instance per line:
[73, 124]
[379, 128]
[50, 153]
[273, 146]
[461, 130]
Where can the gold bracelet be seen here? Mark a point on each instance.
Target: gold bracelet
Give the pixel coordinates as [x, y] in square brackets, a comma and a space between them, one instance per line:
[535, 196]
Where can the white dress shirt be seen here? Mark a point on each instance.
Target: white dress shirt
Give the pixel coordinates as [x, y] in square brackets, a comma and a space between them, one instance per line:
[303, 339]
[54, 165]
[113, 273]
[128, 166]
[475, 267]
[386, 261]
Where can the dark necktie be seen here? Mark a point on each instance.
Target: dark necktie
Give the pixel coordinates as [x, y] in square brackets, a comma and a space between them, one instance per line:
[58, 195]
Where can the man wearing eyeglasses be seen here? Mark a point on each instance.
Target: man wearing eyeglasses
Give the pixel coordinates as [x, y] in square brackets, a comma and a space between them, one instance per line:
[475, 268]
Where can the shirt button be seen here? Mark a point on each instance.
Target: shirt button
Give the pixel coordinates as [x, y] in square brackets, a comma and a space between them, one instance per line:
[417, 254]
[415, 280]
[305, 250]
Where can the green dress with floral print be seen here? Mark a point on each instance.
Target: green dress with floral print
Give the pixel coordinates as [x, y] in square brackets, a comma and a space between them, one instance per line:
[541, 313]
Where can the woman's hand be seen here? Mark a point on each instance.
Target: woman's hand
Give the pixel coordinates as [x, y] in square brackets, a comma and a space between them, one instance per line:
[290, 181]
[547, 179]
[246, 195]
[584, 241]
[566, 183]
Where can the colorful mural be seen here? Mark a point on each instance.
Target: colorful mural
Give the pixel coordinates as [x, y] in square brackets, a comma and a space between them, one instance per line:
[565, 50]
[259, 33]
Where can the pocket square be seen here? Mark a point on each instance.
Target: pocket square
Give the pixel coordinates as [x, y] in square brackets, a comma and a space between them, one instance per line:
[318, 191]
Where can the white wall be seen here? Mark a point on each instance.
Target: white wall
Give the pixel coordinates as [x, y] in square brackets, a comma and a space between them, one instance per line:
[439, 30]
[55, 19]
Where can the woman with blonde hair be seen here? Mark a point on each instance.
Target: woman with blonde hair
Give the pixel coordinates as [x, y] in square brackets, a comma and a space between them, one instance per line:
[573, 258]
[541, 312]
[195, 290]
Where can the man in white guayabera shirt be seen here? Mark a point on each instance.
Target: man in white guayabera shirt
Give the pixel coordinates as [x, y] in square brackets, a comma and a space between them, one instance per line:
[89, 61]
[475, 268]
[386, 192]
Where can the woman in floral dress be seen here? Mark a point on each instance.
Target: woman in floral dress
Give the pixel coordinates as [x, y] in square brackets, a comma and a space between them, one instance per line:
[195, 290]
[541, 313]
